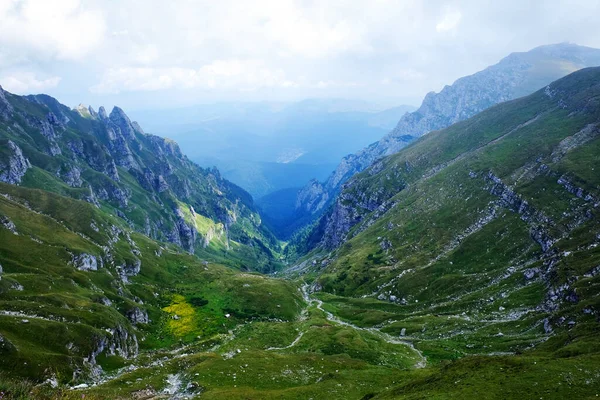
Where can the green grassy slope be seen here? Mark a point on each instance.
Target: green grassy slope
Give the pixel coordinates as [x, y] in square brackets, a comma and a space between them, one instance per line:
[61, 322]
[177, 324]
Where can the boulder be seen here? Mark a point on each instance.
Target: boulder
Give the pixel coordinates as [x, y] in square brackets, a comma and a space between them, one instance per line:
[137, 316]
[8, 224]
[87, 262]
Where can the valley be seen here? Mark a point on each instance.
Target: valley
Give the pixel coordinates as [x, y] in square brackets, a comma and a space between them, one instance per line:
[465, 264]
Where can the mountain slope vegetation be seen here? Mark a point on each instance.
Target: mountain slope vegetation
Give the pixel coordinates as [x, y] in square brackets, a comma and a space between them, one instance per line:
[482, 237]
[126, 272]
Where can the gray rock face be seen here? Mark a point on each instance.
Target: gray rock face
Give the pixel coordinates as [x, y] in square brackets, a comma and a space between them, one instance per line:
[129, 269]
[72, 177]
[137, 127]
[104, 301]
[547, 326]
[537, 221]
[313, 196]
[514, 76]
[54, 120]
[92, 112]
[117, 342]
[123, 123]
[53, 148]
[530, 273]
[339, 223]
[87, 262]
[133, 268]
[120, 133]
[47, 128]
[120, 196]
[102, 113]
[112, 172]
[15, 166]
[8, 224]
[121, 152]
[162, 146]
[161, 184]
[122, 343]
[82, 110]
[349, 209]
[137, 316]
[184, 235]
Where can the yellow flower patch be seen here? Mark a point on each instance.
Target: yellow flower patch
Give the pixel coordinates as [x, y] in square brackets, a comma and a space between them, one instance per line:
[182, 314]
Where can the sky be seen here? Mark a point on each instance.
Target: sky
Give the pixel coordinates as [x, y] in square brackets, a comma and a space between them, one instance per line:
[147, 54]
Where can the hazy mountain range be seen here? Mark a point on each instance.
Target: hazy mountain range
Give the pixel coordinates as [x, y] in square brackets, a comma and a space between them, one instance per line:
[264, 147]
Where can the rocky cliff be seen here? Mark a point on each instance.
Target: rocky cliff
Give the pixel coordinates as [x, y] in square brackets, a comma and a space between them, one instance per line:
[107, 160]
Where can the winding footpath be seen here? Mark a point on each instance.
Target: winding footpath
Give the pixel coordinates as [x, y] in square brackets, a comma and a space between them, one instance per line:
[422, 361]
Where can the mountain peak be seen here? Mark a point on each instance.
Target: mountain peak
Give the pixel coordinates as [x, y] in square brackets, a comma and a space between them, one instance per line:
[118, 113]
[121, 120]
[102, 113]
[83, 110]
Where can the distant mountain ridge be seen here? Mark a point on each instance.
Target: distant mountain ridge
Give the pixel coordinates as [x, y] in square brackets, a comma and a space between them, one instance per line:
[514, 76]
[251, 143]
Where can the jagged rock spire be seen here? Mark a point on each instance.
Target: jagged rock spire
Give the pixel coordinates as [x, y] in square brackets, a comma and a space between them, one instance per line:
[102, 113]
[122, 121]
[92, 112]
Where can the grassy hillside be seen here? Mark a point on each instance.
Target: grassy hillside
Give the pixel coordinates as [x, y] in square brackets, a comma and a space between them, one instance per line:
[56, 309]
[173, 326]
[481, 238]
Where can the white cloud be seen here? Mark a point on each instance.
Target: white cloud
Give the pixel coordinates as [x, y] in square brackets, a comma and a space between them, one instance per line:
[147, 54]
[42, 29]
[342, 48]
[310, 32]
[25, 83]
[220, 74]
[449, 22]
[334, 84]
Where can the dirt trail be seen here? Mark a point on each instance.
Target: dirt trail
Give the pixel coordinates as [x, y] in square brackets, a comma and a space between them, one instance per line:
[422, 363]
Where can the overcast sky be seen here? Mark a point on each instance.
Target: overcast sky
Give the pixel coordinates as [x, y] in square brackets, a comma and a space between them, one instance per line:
[148, 54]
